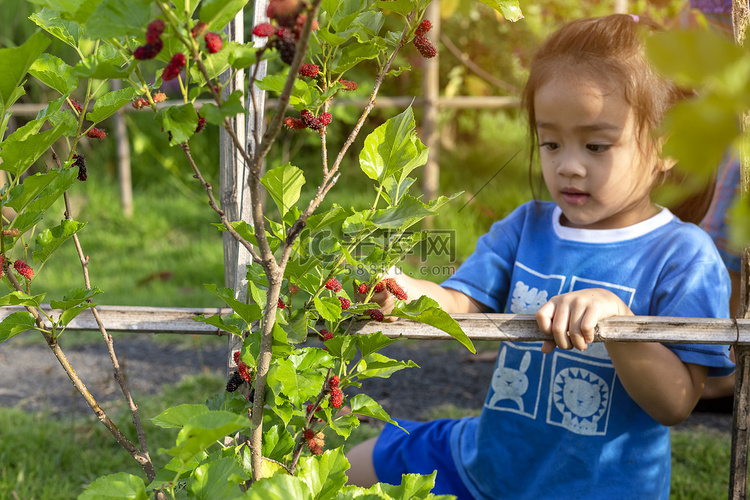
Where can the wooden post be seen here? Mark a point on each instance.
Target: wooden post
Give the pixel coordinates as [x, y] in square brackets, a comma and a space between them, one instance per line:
[431, 89]
[234, 194]
[123, 158]
[741, 418]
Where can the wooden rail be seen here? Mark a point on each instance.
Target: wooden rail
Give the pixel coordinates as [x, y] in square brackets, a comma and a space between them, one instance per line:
[497, 327]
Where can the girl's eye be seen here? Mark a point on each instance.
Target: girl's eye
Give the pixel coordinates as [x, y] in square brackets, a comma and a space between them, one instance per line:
[598, 148]
[550, 146]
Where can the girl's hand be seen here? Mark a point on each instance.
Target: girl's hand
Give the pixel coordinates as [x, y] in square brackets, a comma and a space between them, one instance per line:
[571, 318]
[385, 299]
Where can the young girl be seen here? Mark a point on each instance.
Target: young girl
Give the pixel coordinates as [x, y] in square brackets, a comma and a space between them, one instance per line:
[587, 420]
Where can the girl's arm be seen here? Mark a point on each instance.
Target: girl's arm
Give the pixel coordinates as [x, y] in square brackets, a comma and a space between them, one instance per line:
[656, 378]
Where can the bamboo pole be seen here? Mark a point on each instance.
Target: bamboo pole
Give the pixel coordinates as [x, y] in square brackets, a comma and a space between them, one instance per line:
[741, 413]
[431, 89]
[123, 158]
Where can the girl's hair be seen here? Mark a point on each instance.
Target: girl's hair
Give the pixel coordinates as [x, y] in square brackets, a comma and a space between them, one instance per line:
[610, 50]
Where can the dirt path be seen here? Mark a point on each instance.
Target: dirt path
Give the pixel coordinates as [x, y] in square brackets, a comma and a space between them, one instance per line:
[32, 379]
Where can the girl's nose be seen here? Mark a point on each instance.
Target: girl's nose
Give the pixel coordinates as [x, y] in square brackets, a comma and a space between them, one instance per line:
[570, 166]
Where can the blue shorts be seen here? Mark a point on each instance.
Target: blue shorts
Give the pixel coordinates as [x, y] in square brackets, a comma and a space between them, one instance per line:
[424, 450]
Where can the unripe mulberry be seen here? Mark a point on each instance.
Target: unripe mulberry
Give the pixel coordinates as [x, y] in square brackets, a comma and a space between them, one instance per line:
[337, 397]
[294, 123]
[309, 70]
[423, 27]
[264, 30]
[293, 289]
[198, 29]
[160, 97]
[333, 285]
[424, 47]
[375, 314]
[349, 85]
[140, 103]
[96, 133]
[214, 43]
[345, 303]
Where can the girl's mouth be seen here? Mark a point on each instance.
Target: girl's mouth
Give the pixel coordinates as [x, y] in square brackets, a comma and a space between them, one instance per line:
[574, 197]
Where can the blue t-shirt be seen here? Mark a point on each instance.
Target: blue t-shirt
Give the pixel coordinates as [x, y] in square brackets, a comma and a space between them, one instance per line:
[561, 425]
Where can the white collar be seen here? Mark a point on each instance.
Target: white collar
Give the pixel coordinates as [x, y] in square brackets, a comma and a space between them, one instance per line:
[609, 235]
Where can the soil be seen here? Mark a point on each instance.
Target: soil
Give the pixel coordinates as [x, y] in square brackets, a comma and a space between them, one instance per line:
[32, 379]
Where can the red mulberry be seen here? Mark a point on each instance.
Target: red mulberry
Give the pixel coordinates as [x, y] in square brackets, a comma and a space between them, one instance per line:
[309, 70]
[244, 371]
[333, 285]
[363, 288]
[293, 289]
[325, 119]
[140, 102]
[314, 447]
[345, 303]
[174, 67]
[214, 43]
[76, 105]
[96, 133]
[337, 397]
[325, 335]
[264, 30]
[201, 123]
[379, 287]
[198, 29]
[237, 356]
[149, 50]
[395, 288]
[333, 382]
[154, 30]
[23, 269]
[310, 120]
[349, 85]
[424, 47]
[294, 123]
[423, 27]
[281, 304]
[308, 434]
[375, 314]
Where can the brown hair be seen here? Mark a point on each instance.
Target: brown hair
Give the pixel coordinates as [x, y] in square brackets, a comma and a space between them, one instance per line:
[609, 49]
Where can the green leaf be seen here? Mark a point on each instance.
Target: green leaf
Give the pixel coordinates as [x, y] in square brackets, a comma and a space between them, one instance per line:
[362, 404]
[18, 298]
[16, 63]
[231, 323]
[373, 342]
[329, 308]
[120, 485]
[68, 32]
[54, 73]
[108, 104]
[178, 416]
[248, 312]
[342, 347]
[284, 184]
[202, 431]
[230, 107]
[115, 18]
[241, 56]
[27, 220]
[217, 13]
[15, 323]
[427, 311]
[355, 53]
[377, 365]
[405, 214]
[217, 479]
[60, 5]
[277, 442]
[393, 149]
[54, 190]
[412, 486]
[180, 121]
[280, 487]
[711, 55]
[32, 186]
[74, 297]
[49, 240]
[18, 155]
[510, 9]
[324, 474]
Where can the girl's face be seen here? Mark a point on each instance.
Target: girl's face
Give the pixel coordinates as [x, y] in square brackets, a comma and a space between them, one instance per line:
[591, 158]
